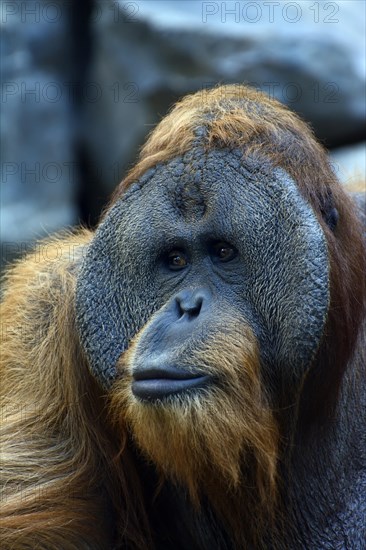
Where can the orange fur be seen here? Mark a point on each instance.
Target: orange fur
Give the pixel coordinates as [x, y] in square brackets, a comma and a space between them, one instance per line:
[55, 454]
[234, 117]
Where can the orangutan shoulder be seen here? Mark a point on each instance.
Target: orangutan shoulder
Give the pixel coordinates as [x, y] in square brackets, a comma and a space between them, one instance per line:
[38, 287]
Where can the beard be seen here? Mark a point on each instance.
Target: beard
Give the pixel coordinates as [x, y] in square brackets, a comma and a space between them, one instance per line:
[220, 441]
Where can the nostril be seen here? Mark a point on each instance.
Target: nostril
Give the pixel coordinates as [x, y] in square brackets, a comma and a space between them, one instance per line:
[179, 308]
[197, 306]
[194, 309]
[190, 303]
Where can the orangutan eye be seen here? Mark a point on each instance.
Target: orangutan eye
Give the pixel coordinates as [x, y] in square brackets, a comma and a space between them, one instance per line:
[177, 260]
[223, 252]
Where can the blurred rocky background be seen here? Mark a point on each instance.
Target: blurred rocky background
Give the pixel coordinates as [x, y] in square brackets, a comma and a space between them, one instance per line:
[84, 82]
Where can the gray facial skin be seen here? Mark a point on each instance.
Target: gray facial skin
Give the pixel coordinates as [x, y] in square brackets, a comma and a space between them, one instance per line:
[278, 279]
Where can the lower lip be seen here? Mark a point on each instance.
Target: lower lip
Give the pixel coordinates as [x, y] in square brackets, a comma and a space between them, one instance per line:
[160, 388]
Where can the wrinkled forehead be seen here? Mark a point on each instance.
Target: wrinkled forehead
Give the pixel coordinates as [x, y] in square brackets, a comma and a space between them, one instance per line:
[216, 190]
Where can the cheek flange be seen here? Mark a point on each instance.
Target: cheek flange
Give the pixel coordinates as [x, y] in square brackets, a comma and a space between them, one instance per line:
[99, 316]
[112, 300]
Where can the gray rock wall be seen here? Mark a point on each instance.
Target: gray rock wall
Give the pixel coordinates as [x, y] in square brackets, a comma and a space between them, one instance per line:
[38, 178]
